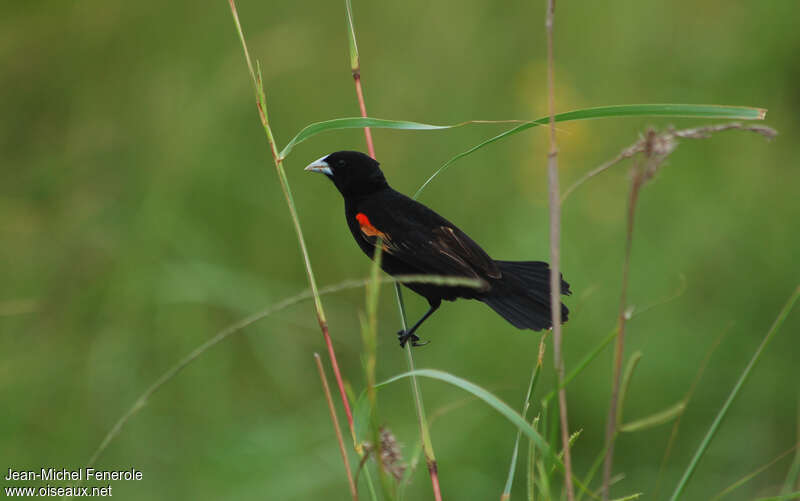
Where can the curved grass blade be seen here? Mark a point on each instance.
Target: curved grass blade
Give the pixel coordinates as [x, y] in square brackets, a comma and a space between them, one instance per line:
[614, 111]
[246, 322]
[754, 474]
[351, 38]
[734, 393]
[525, 406]
[494, 402]
[654, 420]
[782, 497]
[463, 154]
[617, 111]
[794, 470]
[626, 382]
[357, 123]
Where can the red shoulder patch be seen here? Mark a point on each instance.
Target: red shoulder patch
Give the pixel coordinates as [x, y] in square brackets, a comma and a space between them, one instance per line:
[367, 228]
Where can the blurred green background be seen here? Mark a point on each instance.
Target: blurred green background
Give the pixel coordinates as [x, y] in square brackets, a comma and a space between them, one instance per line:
[141, 214]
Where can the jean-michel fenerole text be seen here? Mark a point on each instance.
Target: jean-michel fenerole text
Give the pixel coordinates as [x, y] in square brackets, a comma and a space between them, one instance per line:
[73, 475]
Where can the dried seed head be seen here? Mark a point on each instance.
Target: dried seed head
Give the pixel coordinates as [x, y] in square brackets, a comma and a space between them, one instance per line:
[391, 455]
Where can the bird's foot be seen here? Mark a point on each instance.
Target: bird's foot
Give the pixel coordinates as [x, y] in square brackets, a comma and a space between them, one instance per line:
[405, 336]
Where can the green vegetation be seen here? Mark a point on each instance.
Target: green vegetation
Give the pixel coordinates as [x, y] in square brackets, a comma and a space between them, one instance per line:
[140, 220]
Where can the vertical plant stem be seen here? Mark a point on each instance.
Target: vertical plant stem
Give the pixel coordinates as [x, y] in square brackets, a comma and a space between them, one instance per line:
[261, 102]
[793, 475]
[555, 257]
[363, 107]
[424, 430]
[525, 406]
[337, 429]
[355, 69]
[369, 330]
[427, 444]
[530, 473]
[611, 425]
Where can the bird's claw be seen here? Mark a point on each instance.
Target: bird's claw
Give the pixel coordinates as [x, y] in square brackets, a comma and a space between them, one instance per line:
[405, 337]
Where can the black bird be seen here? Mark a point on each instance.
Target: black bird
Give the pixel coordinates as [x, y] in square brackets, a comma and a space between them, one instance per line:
[418, 241]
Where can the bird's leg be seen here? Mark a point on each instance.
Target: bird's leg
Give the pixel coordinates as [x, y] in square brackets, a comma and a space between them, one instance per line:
[405, 335]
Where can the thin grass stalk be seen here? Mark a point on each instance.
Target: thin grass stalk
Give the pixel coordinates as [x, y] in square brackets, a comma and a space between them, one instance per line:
[588, 359]
[369, 332]
[525, 406]
[782, 497]
[754, 474]
[620, 402]
[686, 399]
[427, 444]
[336, 427]
[734, 393]
[220, 336]
[355, 69]
[262, 112]
[611, 426]
[530, 473]
[422, 421]
[555, 256]
[240, 325]
[633, 362]
[592, 470]
[793, 475]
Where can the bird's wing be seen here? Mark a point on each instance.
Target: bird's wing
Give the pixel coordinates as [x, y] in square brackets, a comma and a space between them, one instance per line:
[438, 249]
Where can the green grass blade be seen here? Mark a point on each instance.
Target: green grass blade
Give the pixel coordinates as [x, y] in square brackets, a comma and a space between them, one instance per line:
[351, 37]
[794, 473]
[617, 111]
[494, 402]
[654, 420]
[357, 123]
[628, 110]
[512, 469]
[361, 419]
[220, 336]
[530, 473]
[544, 481]
[782, 497]
[626, 381]
[734, 393]
[503, 408]
[754, 474]
[794, 470]
[589, 358]
[526, 404]
[592, 470]
[463, 154]
[629, 497]
[664, 110]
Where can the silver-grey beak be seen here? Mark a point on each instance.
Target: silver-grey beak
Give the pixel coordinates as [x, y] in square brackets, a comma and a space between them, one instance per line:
[320, 166]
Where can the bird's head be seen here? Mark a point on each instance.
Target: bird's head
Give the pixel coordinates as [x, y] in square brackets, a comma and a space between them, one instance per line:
[354, 173]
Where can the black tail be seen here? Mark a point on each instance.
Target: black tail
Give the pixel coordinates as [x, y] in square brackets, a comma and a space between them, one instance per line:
[522, 295]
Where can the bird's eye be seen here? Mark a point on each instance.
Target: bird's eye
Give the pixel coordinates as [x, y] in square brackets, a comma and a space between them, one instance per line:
[340, 163]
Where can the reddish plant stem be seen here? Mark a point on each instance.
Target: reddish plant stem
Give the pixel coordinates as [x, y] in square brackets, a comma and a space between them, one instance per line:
[430, 459]
[434, 472]
[555, 257]
[262, 114]
[611, 426]
[338, 375]
[363, 107]
[336, 427]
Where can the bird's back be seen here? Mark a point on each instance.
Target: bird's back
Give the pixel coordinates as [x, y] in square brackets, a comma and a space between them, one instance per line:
[417, 240]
